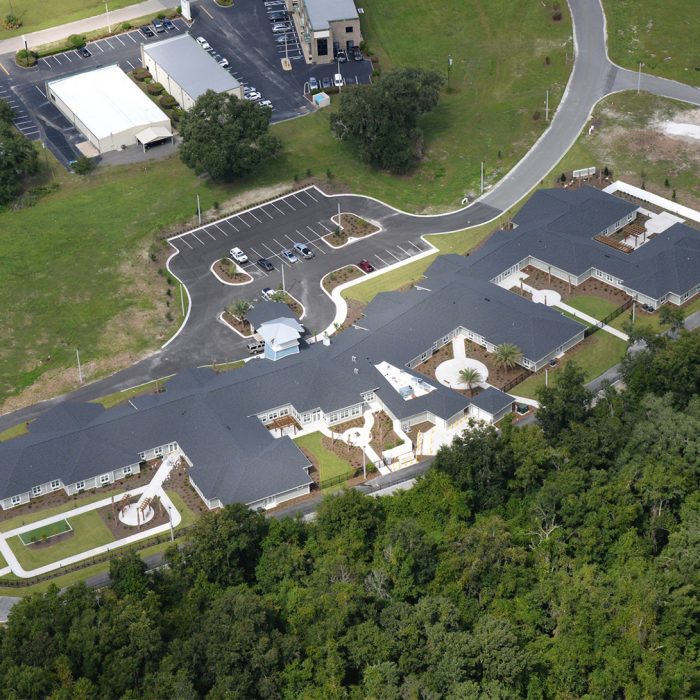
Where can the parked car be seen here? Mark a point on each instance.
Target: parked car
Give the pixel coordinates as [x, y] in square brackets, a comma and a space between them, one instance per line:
[223, 62]
[278, 16]
[356, 53]
[341, 56]
[304, 251]
[268, 293]
[265, 264]
[203, 42]
[168, 25]
[158, 26]
[238, 255]
[285, 39]
[338, 80]
[255, 346]
[326, 83]
[289, 256]
[146, 31]
[253, 96]
[281, 28]
[313, 84]
[366, 266]
[266, 103]
[84, 52]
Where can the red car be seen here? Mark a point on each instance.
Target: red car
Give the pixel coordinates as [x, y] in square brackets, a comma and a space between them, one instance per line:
[366, 265]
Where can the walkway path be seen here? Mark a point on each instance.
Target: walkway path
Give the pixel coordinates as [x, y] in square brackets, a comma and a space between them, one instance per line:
[63, 31]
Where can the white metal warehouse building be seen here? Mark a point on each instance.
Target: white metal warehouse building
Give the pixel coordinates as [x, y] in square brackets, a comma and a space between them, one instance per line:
[109, 109]
[186, 70]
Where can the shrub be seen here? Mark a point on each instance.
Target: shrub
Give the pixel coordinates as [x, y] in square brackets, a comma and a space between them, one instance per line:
[161, 15]
[12, 22]
[536, 115]
[77, 41]
[167, 102]
[25, 58]
[126, 26]
[177, 114]
[83, 166]
[154, 88]
[141, 74]
[556, 15]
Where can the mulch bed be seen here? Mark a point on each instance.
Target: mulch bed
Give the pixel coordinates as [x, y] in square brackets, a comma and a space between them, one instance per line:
[390, 438]
[243, 327]
[354, 423]
[430, 365]
[356, 310]
[179, 482]
[110, 517]
[294, 306]
[348, 453]
[228, 270]
[498, 376]
[338, 277]
[352, 227]
[591, 287]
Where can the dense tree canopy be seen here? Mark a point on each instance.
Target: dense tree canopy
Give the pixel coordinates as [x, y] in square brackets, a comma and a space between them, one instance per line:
[382, 118]
[226, 137]
[18, 157]
[528, 563]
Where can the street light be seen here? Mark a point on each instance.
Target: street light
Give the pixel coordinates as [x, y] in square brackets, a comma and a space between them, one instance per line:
[170, 518]
[449, 67]
[109, 24]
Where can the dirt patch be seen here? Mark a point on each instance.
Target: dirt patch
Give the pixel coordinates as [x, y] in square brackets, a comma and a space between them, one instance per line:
[383, 435]
[228, 271]
[340, 428]
[351, 226]
[341, 276]
[243, 327]
[356, 310]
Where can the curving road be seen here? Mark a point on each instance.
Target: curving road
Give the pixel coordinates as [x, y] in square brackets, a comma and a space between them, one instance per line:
[203, 339]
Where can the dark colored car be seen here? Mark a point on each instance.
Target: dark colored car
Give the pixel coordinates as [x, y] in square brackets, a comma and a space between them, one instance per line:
[266, 264]
[278, 16]
[158, 26]
[146, 31]
[168, 25]
[84, 52]
[356, 53]
[326, 83]
[366, 265]
[341, 56]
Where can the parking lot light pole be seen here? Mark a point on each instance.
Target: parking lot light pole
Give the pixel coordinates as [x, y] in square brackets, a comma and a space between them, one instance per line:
[199, 211]
[109, 24]
[449, 67]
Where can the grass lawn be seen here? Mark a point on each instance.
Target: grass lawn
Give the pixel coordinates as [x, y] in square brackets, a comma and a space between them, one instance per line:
[14, 431]
[88, 531]
[604, 350]
[3, 563]
[663, 34]
[45, 531]
[39, 14]
[593, 306]
[329, 464]
[119, 397]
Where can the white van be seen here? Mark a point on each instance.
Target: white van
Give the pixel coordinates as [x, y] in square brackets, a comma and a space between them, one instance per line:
[338, 80]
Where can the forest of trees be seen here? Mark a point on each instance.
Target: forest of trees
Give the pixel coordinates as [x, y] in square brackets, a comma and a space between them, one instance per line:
[558, 560]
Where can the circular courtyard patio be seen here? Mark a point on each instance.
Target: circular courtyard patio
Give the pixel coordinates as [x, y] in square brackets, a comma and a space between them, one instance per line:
[447, 373]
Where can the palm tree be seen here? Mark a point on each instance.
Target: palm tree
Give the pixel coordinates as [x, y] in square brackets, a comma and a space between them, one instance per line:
[507, 355]
[239, 308]
[470, 376]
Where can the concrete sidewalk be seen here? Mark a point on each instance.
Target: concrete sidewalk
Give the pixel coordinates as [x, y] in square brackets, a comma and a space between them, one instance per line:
[63, 31]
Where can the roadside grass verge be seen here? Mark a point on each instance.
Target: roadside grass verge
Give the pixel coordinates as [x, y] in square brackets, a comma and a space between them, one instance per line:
[39, 14]
[662, 35]
[330, 465]
[88, 531]
[602, 351]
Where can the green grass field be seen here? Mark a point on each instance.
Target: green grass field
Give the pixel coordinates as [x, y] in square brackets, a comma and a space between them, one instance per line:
[44, 532]
[663, 34]
[604, 351]
[39, 14]
[593, 306]
[88, 531]
[329, 464]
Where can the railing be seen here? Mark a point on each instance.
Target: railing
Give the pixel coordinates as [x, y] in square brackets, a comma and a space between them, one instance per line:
[610, 317]
[515, 381]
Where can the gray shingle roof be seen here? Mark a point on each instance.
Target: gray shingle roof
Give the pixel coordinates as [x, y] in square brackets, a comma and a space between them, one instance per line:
[190, 66]
[322, 12]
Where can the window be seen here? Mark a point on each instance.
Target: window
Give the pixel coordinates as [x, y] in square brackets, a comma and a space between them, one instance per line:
[158, 451]
[16, 500]
[104, 479]
[348, 30]
[322, 47]
[55, 484]
[79, 485]
[127, 471]
[36, 491]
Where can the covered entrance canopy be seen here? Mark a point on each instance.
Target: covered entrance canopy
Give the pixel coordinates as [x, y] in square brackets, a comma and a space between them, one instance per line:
[153, 135]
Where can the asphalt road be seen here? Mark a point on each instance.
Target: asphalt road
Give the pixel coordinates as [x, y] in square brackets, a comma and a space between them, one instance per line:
[593, 77]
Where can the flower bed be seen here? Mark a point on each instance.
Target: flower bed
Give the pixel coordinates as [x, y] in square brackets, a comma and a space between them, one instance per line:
[228, 271]
[243, 327]
[351, 226]
[341, 276]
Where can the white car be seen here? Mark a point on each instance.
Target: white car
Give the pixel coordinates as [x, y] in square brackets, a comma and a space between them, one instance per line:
[224, 63]
[252, 96]
[268, 293]
[266, 103]
[289, 256]
[338, 80]
[238, 255]
[203, 42]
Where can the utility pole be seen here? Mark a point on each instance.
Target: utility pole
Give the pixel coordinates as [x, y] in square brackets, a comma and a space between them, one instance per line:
[449, 67]
[182, 300]
[639, 78]
[546, 377]
[364, 464]
[339, 224]
[546, 107]
[109, 24]
[482, 177]
[80, 371]
[199, 211]
[170, 518]
[283, 264]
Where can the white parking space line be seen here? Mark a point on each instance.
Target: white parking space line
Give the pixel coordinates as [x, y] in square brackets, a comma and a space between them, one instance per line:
[222, 230]
[70, 60]
[22, 121]
[243, 220]
[197, 237]
[306, 192]
[41, 92]
[209, 234]
[255, 217]
[228, 221]
[386, 264]
[120, 41]
[290, 238]
[301, 200]
[274, 255]
[108, 44]
[131, 64]
[46, 62]
[99, 47]
[56, 59]
[404, 250]
[322, 225]
[255, 252]
[77, 55]
[281, 245]
[268, 213]
[314, 232]
[131, 37]
[414, 245]
[287, 202]
[386, 250]
[278, 209]
[186, 243]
